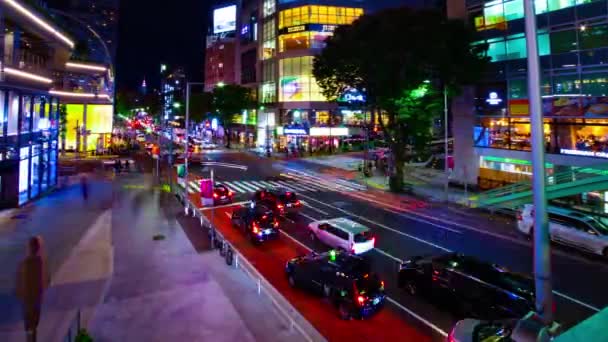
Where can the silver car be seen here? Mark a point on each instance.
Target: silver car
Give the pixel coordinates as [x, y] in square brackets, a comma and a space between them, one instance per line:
[569, 227]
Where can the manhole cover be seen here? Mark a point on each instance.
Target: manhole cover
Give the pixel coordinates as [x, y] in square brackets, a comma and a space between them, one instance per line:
[19, 217]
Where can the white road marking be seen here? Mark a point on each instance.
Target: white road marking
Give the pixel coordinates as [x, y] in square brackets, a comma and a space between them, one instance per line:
[315, 209]
[235, 187]
[588, 306]
[380, 225]
[309, 217]
[574, 300]
[229, 186]
[259, 184]
[387, 255]
[250, 187]
[394, 302]
[224, 206]
[418, 317]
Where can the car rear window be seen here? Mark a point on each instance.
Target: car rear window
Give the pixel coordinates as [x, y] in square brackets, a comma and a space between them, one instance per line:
[363, 237]
[265, 217]
[221, 190]
[368, 284]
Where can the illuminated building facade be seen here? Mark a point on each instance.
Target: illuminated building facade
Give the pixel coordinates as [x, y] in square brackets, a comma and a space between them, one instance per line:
[32, 51]
[573, 49]
[173, 90]
[294, 112]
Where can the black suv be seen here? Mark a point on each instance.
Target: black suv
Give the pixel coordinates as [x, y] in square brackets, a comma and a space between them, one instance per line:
[222, 195]
[343, 278]
[280, 200]
[258, 222]
[473, 288]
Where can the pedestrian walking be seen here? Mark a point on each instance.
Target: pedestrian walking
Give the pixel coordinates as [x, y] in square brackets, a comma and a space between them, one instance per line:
[126, 165]
[32, 282]
[84, 187]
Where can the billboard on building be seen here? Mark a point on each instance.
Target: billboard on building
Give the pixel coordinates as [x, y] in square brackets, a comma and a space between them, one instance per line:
[99, 121]
[224, 19]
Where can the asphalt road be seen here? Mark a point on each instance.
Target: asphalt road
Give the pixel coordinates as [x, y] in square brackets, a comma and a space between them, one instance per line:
[406, 227]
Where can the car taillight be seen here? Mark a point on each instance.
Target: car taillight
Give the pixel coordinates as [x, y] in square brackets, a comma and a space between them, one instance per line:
[298, 203]
[214, 195]
[374, 241]
[382, 285]
[352, 248]
[361, 300]
[230, 193]
[255, 228]
[519, 216]
[276, 223]
[280, 206]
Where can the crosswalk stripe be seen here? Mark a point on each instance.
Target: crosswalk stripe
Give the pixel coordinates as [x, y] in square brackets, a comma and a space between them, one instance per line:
[308, 182]
[235, 187]
[268, 184]
[228, 186]
[299, 187]
[274, 184]
[326, 183]
[259, 184]
[351, 184]
[249, 187]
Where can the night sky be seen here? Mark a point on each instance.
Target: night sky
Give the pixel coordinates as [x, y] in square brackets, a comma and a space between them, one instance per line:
[154, 32]
[173, 32]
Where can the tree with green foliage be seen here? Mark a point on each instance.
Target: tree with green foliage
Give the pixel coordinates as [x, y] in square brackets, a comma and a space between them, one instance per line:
[229, 100]
[401, 59]
[63, 126]
[201, 105]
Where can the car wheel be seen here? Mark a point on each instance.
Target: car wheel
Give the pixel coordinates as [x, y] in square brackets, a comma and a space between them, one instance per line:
[344, 311]
[326, 290]
[411, 288]
[291, 280]
[605, 252]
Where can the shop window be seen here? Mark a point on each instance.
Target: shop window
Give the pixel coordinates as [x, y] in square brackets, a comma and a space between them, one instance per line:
[566, 84]
[24, 156]
[595, 84]
[13, 113]
[36, 113]
[35, 171]
[594, 37]
[516, 48]
[590, 9]
[518, 89]
[26, 114]
[497, 51]
[563, 41]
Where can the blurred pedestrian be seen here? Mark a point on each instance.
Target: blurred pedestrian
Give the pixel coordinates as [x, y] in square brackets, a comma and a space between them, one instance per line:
[84, 187]
[117, 166]
[126, 165]
[32, 282]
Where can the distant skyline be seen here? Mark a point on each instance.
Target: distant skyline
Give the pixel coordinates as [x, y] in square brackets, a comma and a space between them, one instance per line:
[151, 33]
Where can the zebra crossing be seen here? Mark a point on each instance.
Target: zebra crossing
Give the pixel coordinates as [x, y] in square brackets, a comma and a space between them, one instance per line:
[296, 182]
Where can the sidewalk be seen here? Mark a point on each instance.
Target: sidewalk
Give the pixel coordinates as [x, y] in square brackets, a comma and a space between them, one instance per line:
[163, 290]
[62, 219]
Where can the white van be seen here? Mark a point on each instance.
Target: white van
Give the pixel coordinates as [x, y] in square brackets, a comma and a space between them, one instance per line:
[569, 227]
[343, 234]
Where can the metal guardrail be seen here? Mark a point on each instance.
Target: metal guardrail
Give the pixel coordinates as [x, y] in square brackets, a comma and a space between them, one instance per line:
[234, 258]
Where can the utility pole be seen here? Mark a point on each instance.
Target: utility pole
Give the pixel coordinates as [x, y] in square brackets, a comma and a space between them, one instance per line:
[542, 249]
[188, 85]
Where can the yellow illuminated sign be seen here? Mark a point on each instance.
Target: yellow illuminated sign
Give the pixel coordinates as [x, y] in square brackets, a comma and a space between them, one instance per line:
[299, 28]
[99, 121]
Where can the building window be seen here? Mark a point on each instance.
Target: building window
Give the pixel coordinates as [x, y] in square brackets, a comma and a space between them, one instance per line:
[594, 37]
[268, 91]
[314, 14]
[296, 81]
[269, 39]
[269, 8]
[13, 113]
[563, 41]
[26, 114]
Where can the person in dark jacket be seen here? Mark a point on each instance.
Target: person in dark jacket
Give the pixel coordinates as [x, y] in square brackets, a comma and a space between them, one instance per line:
[32, 282]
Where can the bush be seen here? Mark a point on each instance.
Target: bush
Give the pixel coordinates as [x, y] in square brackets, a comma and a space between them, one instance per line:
[83, 336]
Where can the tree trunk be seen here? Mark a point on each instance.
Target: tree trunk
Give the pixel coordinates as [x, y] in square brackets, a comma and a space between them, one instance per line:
[396, 169]
[63, 145]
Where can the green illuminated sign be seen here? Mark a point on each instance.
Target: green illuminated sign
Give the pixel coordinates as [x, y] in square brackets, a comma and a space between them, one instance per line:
[512, 161]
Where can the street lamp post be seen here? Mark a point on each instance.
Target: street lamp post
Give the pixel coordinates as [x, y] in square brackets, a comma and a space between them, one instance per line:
[542, 249]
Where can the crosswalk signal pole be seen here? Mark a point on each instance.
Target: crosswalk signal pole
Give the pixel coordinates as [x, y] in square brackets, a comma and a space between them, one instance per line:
[542, 249]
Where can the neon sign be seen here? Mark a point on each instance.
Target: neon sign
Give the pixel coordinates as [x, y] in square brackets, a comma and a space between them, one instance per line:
[493, 99]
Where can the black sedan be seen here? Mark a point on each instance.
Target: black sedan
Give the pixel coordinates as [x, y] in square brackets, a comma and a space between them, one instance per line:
[470, 287]
[343, 278]
[222, 195]
[280, 200]
[258, 222]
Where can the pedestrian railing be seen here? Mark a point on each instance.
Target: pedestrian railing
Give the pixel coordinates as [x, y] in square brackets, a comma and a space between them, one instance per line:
[234, 258]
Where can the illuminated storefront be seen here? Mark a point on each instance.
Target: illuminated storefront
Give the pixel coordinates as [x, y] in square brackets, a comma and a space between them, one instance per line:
[28, 157]
[96, 121]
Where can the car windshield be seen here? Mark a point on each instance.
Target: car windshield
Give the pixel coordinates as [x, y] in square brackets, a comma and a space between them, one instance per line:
[599, 225]
[363, 237]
